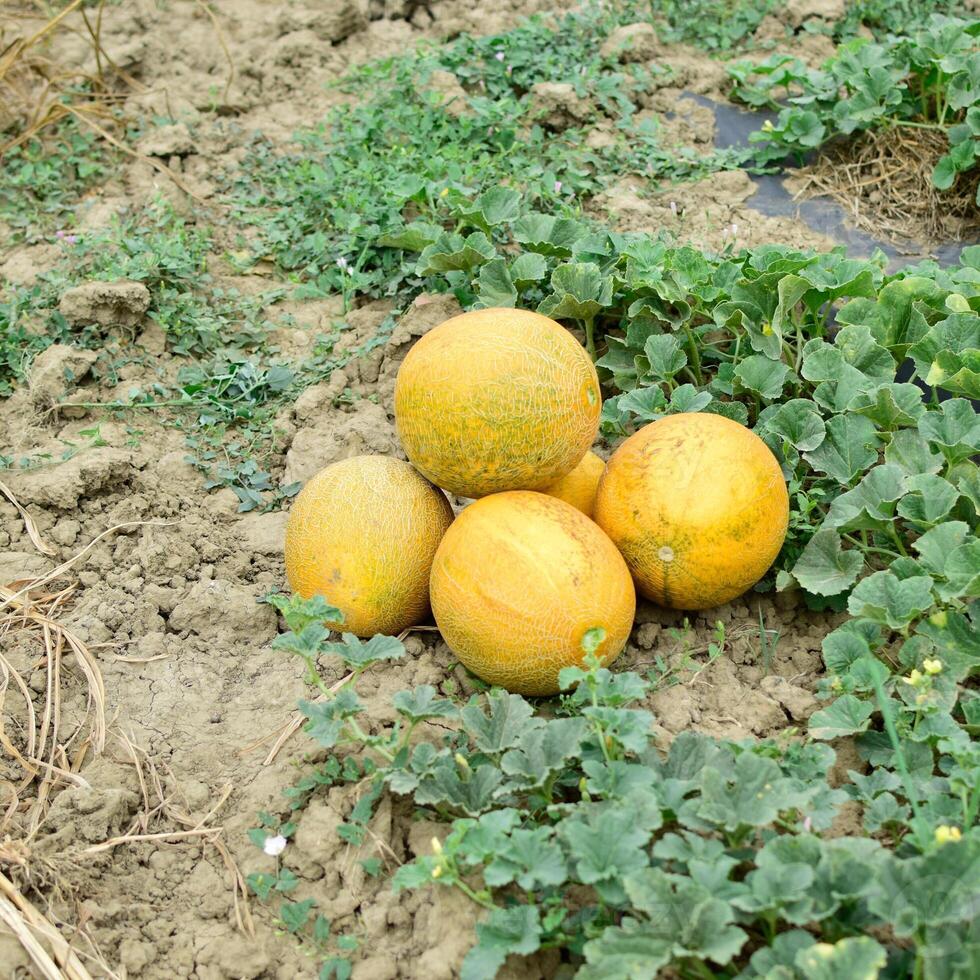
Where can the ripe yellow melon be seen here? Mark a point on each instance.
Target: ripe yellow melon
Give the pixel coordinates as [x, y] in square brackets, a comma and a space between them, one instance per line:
[578, 488]
[698, 506]
[362, 533]
[519, 579]
[494, 400]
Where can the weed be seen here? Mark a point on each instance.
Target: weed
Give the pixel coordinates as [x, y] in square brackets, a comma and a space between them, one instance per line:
[42, 180]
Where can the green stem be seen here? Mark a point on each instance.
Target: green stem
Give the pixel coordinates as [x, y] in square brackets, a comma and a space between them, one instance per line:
[694, 354]
[903, 771]
[590, 336]
[362, 736]
[470, 894]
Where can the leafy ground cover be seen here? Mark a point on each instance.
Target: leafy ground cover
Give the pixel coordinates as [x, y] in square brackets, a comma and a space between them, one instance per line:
[711, 858]
[906, 103]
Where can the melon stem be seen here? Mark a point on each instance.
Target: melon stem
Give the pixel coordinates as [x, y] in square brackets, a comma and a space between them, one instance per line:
[590, 336]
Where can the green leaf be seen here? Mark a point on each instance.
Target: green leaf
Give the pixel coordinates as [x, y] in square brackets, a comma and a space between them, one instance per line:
[884, 598]
[528, 268]
[845, 716]
[529, 857]
[955, 428]
[543, 751]
[776, 962]
[337, 968]
[295, 915]
[547, 234]
[666, 358]
[823, 568]
[890, 406]
[496, 288]
[492, 208]
[685, 913]
[300, 613]
[505, 931]
[751, 794]
[799, 423]
[956, 372]
[871, 504]
[605, 843]
[854, 958]
[937, 545]
[510, 717]
[686, 398]
[929, 500]
[412, 237]
[630, 951]
[762, 376]
[579, 292]
[850, 448]
[357, 654]
[325, 722]
[451, 251]
[423, 703]
[473, 791]
[909, 450]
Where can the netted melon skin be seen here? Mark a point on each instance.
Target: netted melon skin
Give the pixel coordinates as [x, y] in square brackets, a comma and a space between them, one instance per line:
[579, 487]
[362, 533]
[697, 505]
[519, 580]
[495, 400]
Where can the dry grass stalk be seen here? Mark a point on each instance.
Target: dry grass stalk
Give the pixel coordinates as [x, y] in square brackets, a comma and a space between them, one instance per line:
[160, 807]
[883, 178]
[27, 923]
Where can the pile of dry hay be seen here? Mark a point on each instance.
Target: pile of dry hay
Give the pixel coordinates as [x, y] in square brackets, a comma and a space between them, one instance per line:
[883, 178]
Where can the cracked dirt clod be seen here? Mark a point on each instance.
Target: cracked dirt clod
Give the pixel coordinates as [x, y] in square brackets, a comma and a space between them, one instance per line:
[109, 304]
[56, 370]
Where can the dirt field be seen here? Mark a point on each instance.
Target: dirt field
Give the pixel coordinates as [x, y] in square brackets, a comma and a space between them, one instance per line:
[194, 698]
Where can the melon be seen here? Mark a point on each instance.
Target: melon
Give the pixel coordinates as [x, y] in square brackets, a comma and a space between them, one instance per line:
[362, 533]
[496, 399]
[697, 505]
[519, 581]
[578, 488]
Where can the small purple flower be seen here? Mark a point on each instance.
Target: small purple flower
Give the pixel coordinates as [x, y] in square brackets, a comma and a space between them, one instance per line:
[557, 186]
[510, 68]
[807, 824]
[71, 239]
[499, 56]
[60, 233]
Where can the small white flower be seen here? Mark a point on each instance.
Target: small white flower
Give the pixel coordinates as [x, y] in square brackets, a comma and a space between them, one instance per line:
[673, 207]
[274, 846]
[807, 824]
[343, 264]
[557, 186]
[499, 56]
[734, 229]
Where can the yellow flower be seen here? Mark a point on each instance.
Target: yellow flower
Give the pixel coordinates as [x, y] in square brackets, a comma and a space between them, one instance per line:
[444, 192]
[436, 846]
[938, 619]
[437, 871]
[915, 678]
[945, 834]
[932, 666]
[767, 126]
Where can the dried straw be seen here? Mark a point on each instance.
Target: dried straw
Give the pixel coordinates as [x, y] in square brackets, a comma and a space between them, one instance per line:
[883, 178]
